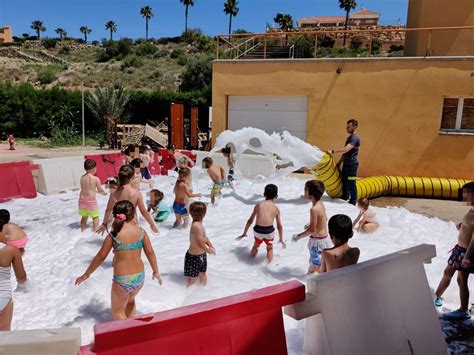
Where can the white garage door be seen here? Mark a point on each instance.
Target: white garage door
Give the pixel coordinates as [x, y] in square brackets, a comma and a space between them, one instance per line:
[270, 113]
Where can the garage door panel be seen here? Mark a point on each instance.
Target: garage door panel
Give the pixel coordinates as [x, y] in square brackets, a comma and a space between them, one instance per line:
[268, 120]
[268, 103]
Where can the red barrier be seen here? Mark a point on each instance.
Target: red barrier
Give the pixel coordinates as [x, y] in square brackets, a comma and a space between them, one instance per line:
[107, 165]
[155, 167]
[16, 180]
[247, 323]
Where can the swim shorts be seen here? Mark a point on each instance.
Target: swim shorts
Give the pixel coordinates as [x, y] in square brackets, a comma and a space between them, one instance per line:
[316, 247]
[194, 264]
[88, 207]
[180, 208]
[263, 234]
[455, 260]
[145, 173]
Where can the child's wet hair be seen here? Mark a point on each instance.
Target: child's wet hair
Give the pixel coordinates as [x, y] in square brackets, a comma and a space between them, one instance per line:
[363, 202]
[340, 227]
[125, 175]
[315, 188]
[270, 192]
[123, 211]
[184, 172]
[207, 162]
[466, 188]
[89, 164]
[4, 218]
[136, 162]
[158, 194]
[197, 210]
[112, 181]
[226, 150]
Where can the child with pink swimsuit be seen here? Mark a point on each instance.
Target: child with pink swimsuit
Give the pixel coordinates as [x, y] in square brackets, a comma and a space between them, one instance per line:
[10, 233]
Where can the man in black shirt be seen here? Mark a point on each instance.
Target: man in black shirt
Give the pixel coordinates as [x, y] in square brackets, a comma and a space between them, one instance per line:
[349, 162]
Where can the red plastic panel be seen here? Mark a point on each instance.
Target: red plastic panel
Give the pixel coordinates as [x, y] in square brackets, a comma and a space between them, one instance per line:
[177, 125]
[194, 128]
[16, 181]
[249, 322]
[155, 168]
[108, 165]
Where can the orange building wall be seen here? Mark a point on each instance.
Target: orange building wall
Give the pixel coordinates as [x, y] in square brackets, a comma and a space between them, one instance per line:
[440, 13]
[398, 103]
[6, 35]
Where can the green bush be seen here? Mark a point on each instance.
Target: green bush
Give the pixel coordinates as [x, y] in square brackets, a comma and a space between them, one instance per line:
[115, 49]
[376, 45]
[64, 50]
[145, 49]
[49, 43]
[177, 52]
[182, 60]
[198, 75]
[46, 75]
[131, 61]
[326, 42]
[356, 43]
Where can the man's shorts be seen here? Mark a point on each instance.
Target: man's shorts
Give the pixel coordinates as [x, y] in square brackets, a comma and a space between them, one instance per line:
[194, 264]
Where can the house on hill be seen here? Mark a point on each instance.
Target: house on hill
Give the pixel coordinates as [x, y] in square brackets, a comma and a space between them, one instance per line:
[362, 18]
[6, 35]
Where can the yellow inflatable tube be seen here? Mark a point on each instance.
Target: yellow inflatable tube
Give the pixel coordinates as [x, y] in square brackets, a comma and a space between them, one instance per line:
[370, 187]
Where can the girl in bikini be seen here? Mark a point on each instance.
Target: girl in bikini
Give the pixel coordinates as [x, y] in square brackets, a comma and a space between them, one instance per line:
[127, 240]
[10, 233]
[128, 193]
[367, 220]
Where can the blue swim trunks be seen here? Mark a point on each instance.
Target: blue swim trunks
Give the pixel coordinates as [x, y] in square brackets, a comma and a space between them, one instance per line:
[180, 208]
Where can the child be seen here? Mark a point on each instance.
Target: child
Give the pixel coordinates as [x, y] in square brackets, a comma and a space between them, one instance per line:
[126, 192]
[195, 260]
[340, 230]
[136, 164]
[10, 233]
[127, 239]
[367, 221]
[90, 184]
[112, 184]
[182, 194]
[230, 163]
[144, 170]
[317, 229]
[266, 212]
[159, 206]
[461, 259]
[216, 173]
[10, 257]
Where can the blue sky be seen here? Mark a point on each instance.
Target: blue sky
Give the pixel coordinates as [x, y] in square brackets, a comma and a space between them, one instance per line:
[207, 15]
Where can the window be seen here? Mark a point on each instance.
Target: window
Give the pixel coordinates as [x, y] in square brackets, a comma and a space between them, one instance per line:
[458, 115]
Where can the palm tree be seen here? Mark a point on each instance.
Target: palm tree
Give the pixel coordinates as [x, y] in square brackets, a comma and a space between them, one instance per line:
[285, 21]
[186, 3]
[231, 9]
[110, 106]
[112, 27]
[85, 30]
[38, 27]
[147, 14]
[61, 32]
[347, 6]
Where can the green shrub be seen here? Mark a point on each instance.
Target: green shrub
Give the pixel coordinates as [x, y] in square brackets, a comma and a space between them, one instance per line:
[46, 75]
[356, 43]
[145, 49]
[376, 45]
[65, 50]
[160, 53]
[49, 43]
[176, 53]
[326, 42]
[182, 60]
[115, 49]
[198, 74]
[131, 61]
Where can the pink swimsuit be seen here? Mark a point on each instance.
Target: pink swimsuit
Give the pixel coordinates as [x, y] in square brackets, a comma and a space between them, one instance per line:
[20, 243]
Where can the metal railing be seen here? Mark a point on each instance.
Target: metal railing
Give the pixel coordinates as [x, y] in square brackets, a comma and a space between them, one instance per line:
[236, 46]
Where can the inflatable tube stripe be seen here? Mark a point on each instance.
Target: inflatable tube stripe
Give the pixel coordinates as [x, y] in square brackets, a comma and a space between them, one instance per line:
[375, 186]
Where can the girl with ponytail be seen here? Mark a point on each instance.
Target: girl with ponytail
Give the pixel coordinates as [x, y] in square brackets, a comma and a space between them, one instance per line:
[127, 240]
[126, 192]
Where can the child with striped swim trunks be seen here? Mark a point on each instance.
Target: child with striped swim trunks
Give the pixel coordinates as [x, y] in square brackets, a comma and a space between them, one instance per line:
[127, 240]
[216, 173]
[90, 185]
[10, 233]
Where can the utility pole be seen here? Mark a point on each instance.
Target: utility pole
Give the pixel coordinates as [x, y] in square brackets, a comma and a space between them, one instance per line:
[83, 125]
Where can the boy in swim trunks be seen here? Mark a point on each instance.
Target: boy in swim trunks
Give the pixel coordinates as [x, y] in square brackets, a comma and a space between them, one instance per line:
[340, 230]
[146, 159]
[216, 173]
[265, 212]
[230, 163]
[195, 260]
[182, 194]
[317, 230]
[10, 233]
[461, 259]
[90, 184]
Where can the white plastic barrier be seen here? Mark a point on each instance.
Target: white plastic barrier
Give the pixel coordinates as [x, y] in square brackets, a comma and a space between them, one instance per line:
[62, 341]
[380, 306]
[58, 174]
[249, 165]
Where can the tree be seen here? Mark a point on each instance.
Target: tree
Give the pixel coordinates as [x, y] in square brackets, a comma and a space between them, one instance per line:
[231, 9]
[112, 27]
[285, 21]
[147, 14]
[347, 6]
[85, 31]
[38, 27]
[61, 32]
[110, 106]
[186, 4]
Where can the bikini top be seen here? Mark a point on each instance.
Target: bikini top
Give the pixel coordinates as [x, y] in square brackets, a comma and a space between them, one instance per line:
[118, 245]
